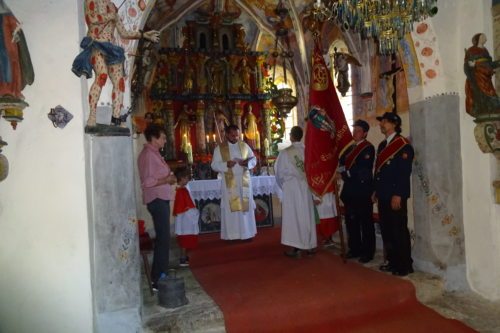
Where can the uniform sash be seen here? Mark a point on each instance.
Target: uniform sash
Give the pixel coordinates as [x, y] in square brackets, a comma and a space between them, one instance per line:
[353, 154]
[296, 160]
[238, 202]
[389, 151]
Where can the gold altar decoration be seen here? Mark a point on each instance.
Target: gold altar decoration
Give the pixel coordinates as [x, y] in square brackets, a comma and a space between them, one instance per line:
[205, 81]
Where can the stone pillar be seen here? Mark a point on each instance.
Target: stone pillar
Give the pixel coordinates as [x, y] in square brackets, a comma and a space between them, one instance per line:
[114, 245]
[201, 146]
[171, 152]
[237, 113]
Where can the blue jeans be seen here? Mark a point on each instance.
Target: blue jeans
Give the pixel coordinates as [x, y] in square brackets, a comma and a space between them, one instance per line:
[160, 211]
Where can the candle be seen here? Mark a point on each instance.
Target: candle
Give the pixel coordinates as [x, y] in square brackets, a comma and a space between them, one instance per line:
[184, 143]
[214, 138]
[242, 137]
[257, 140]
[266, 147]
[208, 139]
[189, 153]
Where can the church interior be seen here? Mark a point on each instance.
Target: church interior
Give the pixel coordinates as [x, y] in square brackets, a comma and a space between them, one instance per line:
[71, 208]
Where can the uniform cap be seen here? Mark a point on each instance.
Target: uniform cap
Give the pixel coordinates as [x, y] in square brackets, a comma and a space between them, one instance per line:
[392, 117]
[363, 124]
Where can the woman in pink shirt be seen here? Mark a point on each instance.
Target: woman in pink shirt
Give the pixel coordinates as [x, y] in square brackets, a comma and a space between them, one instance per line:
[156, 183]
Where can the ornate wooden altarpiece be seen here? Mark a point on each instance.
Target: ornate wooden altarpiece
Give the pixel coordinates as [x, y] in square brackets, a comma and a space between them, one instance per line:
[211, 81]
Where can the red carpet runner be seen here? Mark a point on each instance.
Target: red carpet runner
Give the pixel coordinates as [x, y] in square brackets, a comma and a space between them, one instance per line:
[261, 290]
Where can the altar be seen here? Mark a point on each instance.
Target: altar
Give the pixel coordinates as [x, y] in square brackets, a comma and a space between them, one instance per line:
[207, 195]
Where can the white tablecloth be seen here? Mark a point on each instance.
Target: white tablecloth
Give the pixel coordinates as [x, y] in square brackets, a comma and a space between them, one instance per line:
[211, 189]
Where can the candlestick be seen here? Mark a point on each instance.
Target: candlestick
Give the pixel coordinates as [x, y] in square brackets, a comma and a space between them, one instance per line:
[257, 140]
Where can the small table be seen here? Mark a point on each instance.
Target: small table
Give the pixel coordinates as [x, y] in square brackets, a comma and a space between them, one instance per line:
[207, 195]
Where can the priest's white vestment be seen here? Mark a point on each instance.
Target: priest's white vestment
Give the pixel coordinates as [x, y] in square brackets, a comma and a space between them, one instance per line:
[238, 224]
[298, 228]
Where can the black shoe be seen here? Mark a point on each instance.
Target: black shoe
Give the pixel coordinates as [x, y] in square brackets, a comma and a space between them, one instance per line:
[400, 273]
[364, 259]
[311, 252]
[386, 268]
[294, 253]
[350, 255]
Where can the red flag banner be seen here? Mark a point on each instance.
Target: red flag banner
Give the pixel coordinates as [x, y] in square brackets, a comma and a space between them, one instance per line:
[327, 133]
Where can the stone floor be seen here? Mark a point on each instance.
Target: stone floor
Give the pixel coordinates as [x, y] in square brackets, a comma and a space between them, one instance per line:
[201, 314]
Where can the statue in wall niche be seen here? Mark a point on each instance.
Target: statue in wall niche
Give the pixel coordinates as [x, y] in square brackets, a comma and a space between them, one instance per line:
[245, 72]
[481, 97]
[250, 124]
[341, 63]
[102, 55]
[188, 80]
[16, 69]
[184, 122]
[216, 71]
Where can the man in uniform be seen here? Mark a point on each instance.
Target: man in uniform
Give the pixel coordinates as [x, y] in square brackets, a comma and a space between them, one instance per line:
[232, 160]
[356, 169]
[392, 189]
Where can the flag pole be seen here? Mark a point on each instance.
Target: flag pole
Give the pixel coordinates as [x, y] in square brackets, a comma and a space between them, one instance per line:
[339, 214]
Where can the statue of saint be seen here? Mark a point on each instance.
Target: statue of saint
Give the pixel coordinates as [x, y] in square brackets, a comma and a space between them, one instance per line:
[250, 124]
[188, 80]
[480, 94]
[184, 122]
[245, 72]
[216, 73]
[102, 55]
[16, 69]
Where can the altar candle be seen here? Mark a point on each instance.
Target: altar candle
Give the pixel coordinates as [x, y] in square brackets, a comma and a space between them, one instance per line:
[214, 138]
[184, 142]
[266, 147]
[257, 140]
[189, 153]
[208, 139]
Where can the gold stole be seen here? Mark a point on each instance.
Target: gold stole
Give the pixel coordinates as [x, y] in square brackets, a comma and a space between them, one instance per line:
[237, 202]
[296, 160]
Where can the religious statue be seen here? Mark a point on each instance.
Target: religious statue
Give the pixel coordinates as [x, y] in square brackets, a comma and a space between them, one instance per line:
[102, 55]
[341, 63]
[245, 72]
[188, 80]
[481, 97]
[16, 69]
[184, 122]
[250, 124]
[221, 121]
[216, 73]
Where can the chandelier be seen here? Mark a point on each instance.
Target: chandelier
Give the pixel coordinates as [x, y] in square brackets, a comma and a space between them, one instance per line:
[387, 21]
[282, 97]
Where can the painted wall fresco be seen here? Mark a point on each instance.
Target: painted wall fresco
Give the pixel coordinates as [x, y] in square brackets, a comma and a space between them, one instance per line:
[426, 49]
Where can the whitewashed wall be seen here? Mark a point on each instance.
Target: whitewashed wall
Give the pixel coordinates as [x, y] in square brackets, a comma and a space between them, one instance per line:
[481, 215]
[44, 246]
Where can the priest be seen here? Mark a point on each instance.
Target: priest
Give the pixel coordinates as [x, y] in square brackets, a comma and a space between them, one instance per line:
[233, 160]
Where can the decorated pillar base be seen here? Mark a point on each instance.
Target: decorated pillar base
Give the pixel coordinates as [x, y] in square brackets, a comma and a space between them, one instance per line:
[487, 134]
[11, 109]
